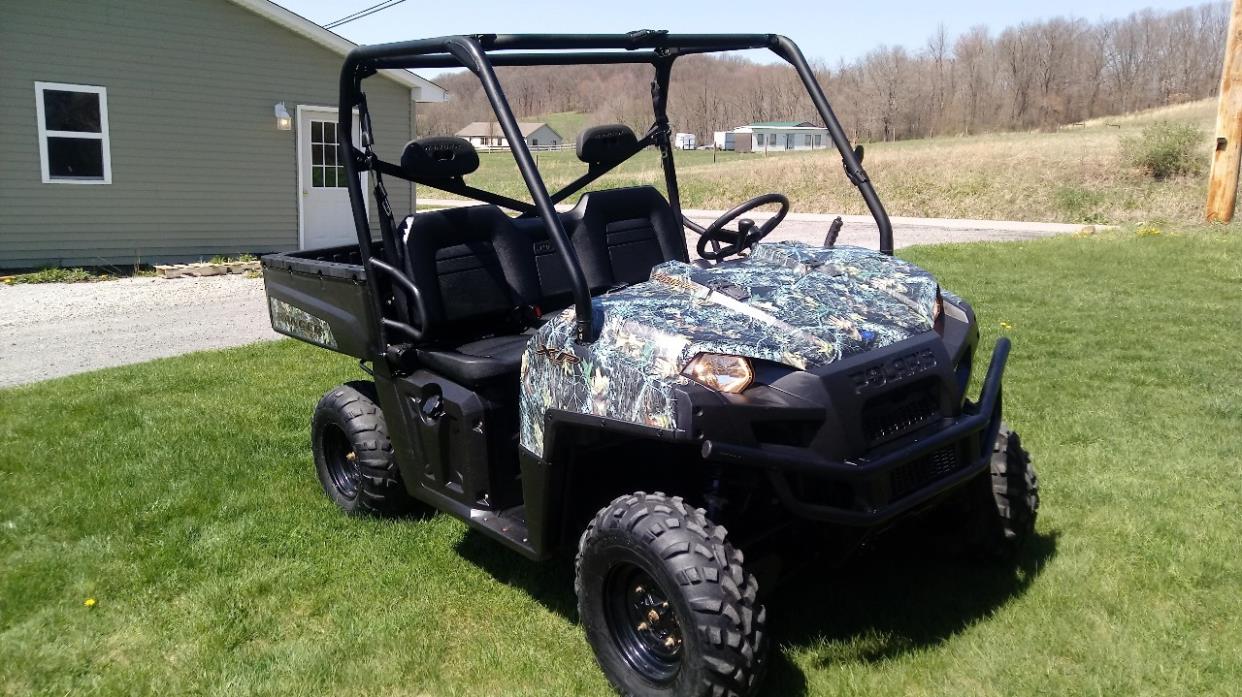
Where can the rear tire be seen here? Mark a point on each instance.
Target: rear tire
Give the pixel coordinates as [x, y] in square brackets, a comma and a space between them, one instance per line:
[1008, 509]
[665, 602]
[353, 456]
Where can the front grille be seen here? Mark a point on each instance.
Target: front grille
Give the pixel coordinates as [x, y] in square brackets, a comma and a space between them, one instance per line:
[913, 476]
[896, 414]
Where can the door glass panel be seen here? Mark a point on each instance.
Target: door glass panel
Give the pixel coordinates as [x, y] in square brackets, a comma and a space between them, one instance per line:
[325, 169]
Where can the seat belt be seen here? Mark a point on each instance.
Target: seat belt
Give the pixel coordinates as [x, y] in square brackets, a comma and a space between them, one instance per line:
[386, 221]
[387, 224]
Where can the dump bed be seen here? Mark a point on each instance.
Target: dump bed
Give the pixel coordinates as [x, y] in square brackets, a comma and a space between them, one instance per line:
[320, 297]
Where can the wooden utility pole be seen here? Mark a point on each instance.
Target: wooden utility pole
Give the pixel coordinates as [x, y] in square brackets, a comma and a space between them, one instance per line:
[1223, 181]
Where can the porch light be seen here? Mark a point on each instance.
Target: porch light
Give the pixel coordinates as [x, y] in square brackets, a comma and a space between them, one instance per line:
[283, 121]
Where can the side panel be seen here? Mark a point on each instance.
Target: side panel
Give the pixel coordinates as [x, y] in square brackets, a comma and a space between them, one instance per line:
[452, 440]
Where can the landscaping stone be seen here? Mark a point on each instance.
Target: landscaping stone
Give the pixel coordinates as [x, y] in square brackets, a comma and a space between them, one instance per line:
[206, 269]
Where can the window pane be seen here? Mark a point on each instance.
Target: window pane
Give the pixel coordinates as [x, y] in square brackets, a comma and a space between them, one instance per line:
[75, 158]
[340, 177]
[316, 131]
[329, 154]
[316, 154]
[316, 176]
[329, 132]
[71, 111]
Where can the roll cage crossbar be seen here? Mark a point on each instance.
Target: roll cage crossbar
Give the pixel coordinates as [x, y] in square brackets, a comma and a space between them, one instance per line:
[480, 54]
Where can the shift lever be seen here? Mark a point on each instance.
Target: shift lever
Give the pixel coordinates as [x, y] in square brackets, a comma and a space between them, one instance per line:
[833, 230]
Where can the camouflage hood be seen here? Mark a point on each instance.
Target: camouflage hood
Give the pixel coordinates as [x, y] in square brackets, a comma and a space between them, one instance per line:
[790, 303]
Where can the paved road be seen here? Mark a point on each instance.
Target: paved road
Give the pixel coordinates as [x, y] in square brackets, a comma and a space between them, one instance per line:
[861, 230]
[58, 329]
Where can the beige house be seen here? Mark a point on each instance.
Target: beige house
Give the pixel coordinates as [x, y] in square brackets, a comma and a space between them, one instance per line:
[484, 135]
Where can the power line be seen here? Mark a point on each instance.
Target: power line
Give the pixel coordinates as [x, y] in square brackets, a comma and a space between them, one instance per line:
[367, 12]
[354, 15]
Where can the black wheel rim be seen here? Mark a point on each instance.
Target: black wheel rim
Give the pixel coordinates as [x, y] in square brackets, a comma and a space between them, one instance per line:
[642, 623]
[342, 461]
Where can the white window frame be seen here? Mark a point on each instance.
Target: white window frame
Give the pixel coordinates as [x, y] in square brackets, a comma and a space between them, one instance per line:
[44, 134]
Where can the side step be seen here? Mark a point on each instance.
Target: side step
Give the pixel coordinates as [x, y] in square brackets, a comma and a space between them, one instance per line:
[507, 526]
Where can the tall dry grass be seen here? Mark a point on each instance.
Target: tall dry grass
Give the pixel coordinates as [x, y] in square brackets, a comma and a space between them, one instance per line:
[1075, 175]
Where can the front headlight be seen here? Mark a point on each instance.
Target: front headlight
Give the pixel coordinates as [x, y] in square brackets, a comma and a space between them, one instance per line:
[728, 374]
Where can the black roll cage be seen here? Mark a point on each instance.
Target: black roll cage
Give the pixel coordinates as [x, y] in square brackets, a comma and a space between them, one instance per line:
[479, 54]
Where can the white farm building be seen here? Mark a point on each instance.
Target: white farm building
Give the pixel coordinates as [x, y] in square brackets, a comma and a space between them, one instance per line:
[773, 136]
[484, 135]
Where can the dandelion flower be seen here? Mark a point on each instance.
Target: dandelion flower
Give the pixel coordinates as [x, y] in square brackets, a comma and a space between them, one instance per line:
[1006, 326]
[89, 602]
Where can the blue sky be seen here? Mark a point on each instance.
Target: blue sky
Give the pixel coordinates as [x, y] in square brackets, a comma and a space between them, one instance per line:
[828, 30]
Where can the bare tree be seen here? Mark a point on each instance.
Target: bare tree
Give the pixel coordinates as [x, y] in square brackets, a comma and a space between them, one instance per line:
[1037, 74]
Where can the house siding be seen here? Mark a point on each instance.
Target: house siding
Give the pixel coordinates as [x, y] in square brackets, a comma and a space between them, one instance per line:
[198, 165]
[545, 136]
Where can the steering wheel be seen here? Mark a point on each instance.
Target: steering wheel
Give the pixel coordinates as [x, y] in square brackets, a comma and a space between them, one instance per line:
[735, 241]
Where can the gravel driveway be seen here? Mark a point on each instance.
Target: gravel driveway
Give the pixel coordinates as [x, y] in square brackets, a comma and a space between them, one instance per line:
[55, 329]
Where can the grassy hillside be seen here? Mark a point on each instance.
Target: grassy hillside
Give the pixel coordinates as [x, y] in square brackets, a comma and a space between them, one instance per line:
[567, 123]
[1075, 175]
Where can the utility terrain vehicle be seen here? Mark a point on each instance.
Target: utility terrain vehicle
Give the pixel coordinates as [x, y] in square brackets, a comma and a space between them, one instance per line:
[544, 375]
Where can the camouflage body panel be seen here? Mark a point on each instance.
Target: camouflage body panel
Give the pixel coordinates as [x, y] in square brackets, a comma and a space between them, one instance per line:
[788, 303]
[301, 324]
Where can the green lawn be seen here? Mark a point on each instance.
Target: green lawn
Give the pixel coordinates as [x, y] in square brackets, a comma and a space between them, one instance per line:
[180, 496]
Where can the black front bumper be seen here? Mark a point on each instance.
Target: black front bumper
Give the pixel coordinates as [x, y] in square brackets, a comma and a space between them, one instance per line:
[887, 482]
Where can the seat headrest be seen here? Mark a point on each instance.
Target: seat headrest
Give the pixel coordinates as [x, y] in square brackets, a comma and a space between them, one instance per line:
[439, 157]
[606, 144]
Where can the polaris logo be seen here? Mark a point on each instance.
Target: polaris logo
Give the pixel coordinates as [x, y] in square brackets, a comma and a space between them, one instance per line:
[878, 375]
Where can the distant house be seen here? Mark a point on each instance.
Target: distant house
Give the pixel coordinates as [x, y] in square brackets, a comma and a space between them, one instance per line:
[483, 135]
[132, 130]
[771, 136]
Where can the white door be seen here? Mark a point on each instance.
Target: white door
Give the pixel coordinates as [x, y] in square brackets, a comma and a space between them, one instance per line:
[324, 216]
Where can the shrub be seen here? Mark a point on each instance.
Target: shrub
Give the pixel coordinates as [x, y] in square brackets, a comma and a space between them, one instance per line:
[58, 275]
[1165, 149]
[1081, 205]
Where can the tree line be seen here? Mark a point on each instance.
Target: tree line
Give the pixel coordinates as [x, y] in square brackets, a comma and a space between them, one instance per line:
[1037, 75]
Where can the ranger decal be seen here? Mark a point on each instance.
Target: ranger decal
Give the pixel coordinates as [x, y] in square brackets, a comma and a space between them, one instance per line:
[299, 323]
